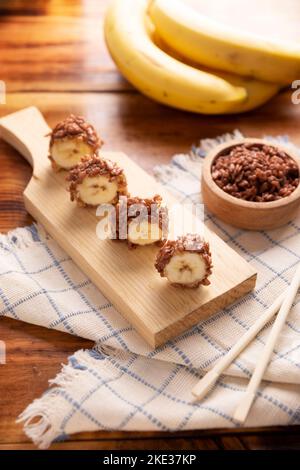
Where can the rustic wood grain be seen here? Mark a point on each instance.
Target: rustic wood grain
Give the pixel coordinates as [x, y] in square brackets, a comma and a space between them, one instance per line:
[69, 55]
[230, 443]
[127, 443]
[148, 132]
[50, 8]
[15, 174]
[151, 133]
[273, 441]
[59, 45]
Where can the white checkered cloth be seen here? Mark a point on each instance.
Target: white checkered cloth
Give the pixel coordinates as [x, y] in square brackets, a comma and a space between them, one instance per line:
[122, 384]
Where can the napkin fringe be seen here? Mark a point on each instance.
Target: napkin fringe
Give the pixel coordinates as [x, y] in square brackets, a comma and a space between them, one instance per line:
[38, 419]
[43, 417]
[23, 237]
[20, 238]
[208, 144]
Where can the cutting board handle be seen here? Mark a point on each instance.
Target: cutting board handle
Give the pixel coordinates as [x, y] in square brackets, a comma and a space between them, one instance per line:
[28, 132]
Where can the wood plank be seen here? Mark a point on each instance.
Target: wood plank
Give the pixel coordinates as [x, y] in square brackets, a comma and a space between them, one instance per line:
[272, 441]
[15, 175]
[58, 52]
[230, 443]
[126, 444]
[216, 434]
[53, 8]
[132, 123]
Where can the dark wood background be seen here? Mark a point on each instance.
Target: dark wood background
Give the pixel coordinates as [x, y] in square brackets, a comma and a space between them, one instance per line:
[52, 55]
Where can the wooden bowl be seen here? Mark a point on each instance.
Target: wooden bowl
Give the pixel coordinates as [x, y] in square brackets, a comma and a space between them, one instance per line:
[246, 214]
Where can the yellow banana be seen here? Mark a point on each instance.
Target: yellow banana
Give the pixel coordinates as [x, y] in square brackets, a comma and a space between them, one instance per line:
[258, 92]
[157, 74]
[207, 42]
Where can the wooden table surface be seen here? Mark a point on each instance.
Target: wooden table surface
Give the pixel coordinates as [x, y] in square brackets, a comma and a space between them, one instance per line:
[53, 56]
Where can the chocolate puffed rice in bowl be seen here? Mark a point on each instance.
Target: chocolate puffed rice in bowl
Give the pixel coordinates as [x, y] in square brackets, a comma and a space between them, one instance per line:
[252, 184]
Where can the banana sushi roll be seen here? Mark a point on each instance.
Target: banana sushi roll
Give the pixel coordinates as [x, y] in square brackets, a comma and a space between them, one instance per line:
[71, 140]
[185, 262]
[96, 181]
[141, 221]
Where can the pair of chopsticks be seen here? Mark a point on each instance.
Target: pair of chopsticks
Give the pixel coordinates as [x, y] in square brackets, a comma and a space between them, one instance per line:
[282, 305]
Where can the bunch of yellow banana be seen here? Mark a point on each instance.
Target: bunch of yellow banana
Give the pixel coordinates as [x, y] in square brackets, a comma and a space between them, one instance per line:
[209, 43]
[159, 45]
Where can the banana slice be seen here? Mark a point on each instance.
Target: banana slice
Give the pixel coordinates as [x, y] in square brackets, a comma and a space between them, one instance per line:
[185, 268]
[67, 152]
[97, 190]
[96, 181]
[141, 221]
[144, 233]
[71, 140]
[185, 262]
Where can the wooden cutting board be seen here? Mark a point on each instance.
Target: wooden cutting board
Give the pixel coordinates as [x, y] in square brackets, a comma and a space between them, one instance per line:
[157, 310]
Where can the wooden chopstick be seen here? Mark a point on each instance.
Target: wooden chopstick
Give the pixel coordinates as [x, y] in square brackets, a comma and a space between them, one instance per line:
[207, 382]
[243, 409]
